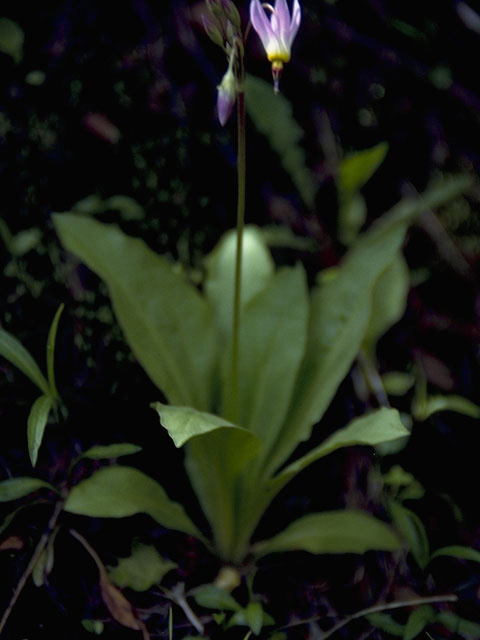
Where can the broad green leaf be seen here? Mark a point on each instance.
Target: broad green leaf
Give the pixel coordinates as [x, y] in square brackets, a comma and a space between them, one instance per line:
[11, 39]
[52, 335]
[385, 622]
[332, 532]
[166, 322]
[15, 352]
[272, 116]
[257, 270]
[412, 529]
[37, 421]
[15, 488]
[101, 452]
[272, 344]
[417, 621]
[213, 462]
[212, 597]
[141, 570]
[118, 492]
[467, 629]
[357, 168]
[184, 423]
[388, 303]
[457, 551]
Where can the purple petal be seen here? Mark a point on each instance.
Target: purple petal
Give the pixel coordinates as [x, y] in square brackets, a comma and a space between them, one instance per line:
[261, 23]
[296, 19]
[282, 15]
[225, 104]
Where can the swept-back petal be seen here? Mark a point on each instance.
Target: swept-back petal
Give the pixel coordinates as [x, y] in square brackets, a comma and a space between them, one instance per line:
[282, 18]
[260, 23]
[295, 23]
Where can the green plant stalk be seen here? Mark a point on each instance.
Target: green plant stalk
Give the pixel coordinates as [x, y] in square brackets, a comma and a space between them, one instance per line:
[224, 525]
[241, 172]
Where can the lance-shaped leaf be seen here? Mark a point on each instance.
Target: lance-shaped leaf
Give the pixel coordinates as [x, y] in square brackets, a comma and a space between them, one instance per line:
[413, 530]
[382, 425]
[388, 303]
[103, 451]
[357, 168]
[332, 532]
[52, 336]
[217, 451]
[418, 620]
[15, 488]
[166, 322]
[272, 342]
[37, 421]
[459, 626]
[14, 351]
[340, 313]
[457, 551]
[354, 171]
[118, 492]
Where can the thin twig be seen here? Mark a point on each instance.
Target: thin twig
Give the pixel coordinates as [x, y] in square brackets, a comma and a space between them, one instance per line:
[377, 608]
[31, 565]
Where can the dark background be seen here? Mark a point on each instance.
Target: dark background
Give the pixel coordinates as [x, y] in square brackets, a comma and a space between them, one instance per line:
[119, 99]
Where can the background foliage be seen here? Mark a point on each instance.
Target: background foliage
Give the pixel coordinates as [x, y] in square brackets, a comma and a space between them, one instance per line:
[110, 110]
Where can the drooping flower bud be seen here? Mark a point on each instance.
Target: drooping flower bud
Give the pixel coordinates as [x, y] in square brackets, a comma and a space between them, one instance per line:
[212, 30]
[231, 12]
[226, 96]
[215, 7]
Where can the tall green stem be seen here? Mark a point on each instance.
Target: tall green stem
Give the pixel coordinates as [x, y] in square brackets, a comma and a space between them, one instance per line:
[241, 167]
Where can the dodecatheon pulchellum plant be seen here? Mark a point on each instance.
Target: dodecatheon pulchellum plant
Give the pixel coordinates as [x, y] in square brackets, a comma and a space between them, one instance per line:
[276, 32]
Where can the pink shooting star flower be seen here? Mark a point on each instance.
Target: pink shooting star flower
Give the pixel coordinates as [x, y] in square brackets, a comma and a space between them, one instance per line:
[276, 33]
